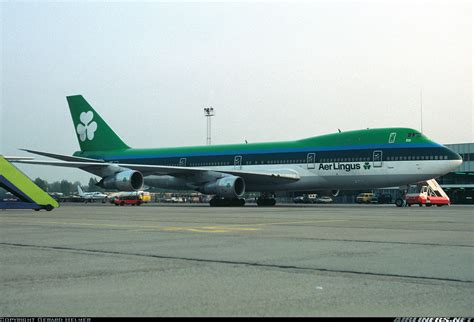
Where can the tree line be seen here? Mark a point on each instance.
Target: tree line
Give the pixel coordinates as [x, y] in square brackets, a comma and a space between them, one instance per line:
[67, 187]
[64, 186]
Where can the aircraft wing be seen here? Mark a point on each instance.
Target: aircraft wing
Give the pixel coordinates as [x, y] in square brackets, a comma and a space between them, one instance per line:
[104, 169]
[97, 168]
[63, 157]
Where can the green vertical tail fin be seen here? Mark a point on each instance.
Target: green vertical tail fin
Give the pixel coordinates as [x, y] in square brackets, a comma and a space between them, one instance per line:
[92, 132]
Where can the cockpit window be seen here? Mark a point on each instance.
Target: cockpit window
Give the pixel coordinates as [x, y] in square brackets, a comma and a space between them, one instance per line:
[413, 134]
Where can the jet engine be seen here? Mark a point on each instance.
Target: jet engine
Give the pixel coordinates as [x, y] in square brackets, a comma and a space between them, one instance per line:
[226, 187]
[124, 181]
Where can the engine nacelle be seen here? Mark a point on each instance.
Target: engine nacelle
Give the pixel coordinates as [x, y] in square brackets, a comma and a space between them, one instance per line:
[227, 187]
[123, 181]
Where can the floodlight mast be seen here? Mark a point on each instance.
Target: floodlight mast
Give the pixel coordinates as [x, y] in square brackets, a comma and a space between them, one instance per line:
[421, 110]
[208, 113]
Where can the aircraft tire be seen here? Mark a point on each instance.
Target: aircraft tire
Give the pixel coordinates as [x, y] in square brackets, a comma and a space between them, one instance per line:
[224, 202]
[236, 202]
[48, 207]
[266, 202]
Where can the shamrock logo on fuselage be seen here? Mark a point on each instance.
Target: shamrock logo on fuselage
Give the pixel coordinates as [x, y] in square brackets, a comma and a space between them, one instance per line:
[87, 128]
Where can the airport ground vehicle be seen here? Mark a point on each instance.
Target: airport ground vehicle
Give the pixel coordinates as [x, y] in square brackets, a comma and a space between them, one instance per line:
[365, 197]
[174, 199]
[309, 198]
[381, 198]
[146, 196]
[299, 199]
[428, 194]
[134, 200]
[324, 199]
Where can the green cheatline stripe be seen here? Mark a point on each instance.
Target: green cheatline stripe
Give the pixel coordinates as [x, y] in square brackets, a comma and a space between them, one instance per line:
[344, 140]
[25, 185]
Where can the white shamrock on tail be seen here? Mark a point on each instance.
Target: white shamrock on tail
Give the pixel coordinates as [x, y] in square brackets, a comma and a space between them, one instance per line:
[87, 128]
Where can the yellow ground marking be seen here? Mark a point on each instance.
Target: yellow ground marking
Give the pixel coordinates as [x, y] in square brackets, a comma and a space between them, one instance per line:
[211, 229]
[197, 229]
[293, 222]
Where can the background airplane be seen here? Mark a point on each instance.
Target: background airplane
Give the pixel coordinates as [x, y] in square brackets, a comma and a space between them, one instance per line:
[91, 196]
[362, 159]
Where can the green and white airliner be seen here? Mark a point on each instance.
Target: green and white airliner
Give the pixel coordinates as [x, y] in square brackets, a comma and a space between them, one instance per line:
[362, 159]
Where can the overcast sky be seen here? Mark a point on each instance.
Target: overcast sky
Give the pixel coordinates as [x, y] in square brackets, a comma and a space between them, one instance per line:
[272, 71]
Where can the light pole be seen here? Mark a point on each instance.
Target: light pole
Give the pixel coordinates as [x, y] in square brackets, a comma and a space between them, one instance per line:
[421, 109]
[208, 113]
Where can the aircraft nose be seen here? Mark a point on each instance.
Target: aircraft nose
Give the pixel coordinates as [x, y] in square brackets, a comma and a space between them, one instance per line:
[459, 160]
[455, 160]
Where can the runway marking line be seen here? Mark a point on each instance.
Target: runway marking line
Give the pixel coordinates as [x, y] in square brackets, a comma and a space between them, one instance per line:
[197, 229]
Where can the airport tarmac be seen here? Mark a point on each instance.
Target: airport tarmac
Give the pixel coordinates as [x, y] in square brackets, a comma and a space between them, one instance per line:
[319, 260]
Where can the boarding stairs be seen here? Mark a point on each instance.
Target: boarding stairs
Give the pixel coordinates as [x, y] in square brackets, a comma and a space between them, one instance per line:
[29, 195]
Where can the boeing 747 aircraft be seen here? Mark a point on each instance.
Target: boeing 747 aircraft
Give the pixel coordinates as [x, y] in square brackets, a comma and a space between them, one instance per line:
[362, 159]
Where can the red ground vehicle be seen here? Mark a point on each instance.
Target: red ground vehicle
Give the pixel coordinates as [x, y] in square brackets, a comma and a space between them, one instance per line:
[428, 194]
[128, 200]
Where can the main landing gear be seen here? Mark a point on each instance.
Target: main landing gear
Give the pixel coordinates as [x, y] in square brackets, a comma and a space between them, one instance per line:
[266, 199]
[226, 202]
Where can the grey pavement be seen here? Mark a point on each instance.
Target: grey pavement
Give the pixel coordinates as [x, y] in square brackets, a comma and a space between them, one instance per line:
[321, 260]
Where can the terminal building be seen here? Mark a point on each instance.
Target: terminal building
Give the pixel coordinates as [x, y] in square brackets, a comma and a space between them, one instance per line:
[459, 185]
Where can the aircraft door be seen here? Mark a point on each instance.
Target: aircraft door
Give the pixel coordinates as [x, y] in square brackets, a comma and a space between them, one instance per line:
[311, 160]
[182, 162]
[377, 159]
[238, 162]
